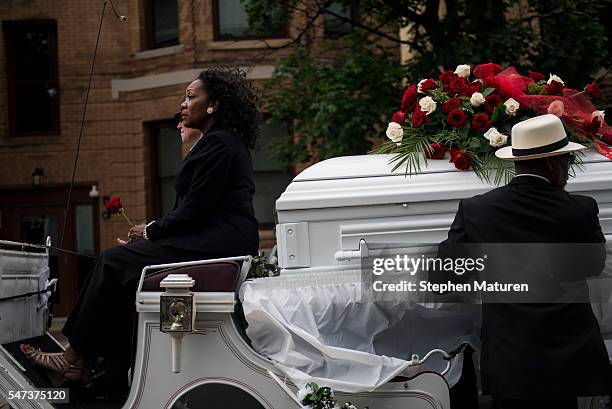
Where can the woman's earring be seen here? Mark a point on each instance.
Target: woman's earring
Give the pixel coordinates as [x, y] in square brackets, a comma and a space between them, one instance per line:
[210, 110]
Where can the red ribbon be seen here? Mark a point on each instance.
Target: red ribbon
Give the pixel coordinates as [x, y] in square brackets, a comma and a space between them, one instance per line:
[578, 108]
[603, 149]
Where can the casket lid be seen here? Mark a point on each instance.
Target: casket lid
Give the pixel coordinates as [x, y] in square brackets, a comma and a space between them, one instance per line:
[369, 180]
[366, 166]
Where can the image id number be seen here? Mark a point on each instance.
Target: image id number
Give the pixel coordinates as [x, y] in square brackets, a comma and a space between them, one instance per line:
[60, 395]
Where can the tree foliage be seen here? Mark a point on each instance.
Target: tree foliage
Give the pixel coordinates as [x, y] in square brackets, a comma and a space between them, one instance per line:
[335, 104]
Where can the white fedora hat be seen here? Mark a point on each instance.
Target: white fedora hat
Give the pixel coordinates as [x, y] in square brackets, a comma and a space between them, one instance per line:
[538, 137]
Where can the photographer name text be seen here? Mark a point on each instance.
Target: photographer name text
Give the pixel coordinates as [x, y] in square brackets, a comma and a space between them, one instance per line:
[427, 286]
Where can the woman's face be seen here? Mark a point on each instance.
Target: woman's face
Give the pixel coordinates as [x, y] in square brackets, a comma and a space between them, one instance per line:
[194, 106]
[189, 136]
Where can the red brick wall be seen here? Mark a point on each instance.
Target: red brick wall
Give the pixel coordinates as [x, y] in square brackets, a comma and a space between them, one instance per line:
[114, 151]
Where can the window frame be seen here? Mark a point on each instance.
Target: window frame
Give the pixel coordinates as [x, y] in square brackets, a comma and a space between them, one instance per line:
[217, 36]
[8, 28]
[148, 27]
[355, 16]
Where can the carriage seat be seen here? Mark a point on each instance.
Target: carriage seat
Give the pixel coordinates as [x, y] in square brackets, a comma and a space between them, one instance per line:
[222, 276]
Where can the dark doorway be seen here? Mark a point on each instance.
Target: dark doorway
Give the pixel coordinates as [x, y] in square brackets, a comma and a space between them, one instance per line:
[31, 214]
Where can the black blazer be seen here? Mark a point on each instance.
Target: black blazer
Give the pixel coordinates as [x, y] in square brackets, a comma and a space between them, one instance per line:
[213, 211]
[536, 350]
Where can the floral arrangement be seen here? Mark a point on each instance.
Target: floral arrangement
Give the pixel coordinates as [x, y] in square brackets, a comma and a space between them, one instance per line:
[261, 267]
[314, 397]
[469, 114]
[114, 206]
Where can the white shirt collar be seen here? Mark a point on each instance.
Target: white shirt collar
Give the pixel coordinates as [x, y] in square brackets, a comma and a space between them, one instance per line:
[193, 146]
[533, 175]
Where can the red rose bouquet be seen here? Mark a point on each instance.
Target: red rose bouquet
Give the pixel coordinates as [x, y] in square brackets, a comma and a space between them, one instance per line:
[469, 114]
[114, 206]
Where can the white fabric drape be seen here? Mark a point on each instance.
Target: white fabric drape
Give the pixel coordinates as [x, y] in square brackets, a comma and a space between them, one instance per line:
[315, 330]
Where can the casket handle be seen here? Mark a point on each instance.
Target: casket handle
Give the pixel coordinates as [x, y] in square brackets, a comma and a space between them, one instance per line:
[348, 255]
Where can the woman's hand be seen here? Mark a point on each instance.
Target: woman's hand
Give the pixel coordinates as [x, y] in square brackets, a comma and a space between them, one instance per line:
[136, 233]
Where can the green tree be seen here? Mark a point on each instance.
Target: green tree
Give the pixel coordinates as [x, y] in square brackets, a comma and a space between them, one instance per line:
[333, 105]
[336, 105]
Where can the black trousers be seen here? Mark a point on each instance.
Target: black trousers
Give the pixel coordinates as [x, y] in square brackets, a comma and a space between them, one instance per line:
[103, 319]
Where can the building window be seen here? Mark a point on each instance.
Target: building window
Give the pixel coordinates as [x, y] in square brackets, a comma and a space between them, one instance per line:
[32, 77]
[161, 23]
[231, 22]
[336, 27]
[167, 156]
[271, 178]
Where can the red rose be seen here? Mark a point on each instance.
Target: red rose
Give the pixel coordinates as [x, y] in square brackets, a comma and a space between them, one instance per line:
[456, 86]
[480, 122]
[457, 118]
[399, 117]
[419, 118]
[472, 87]
[492, 101]
[428, 85]
[462, 160]
[450, 104]
[446, 77]
[591, 127]
[592, 90]
[554, 88]
[437, 151]
[536, 76]
[113, 206]
[409, 98]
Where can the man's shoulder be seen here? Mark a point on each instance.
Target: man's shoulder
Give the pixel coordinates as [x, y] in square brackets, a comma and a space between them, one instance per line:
[562, 198]
[491, 196]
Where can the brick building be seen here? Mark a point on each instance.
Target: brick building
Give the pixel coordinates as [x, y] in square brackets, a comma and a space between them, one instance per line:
[129, 145]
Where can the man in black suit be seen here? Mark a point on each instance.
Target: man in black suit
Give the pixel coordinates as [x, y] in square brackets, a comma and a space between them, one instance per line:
[537, 355]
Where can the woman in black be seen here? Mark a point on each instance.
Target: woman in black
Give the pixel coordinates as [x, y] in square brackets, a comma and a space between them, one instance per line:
[213, 217]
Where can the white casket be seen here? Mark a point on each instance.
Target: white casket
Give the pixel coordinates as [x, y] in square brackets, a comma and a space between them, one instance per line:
[334, 204]
[310, 320]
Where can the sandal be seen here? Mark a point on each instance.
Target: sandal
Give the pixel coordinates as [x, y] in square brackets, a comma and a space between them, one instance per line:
[57, 364]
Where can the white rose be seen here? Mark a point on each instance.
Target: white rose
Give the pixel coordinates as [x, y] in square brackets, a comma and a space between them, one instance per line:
[598, 114]
[427, 104]
[395, 132]
[463, 70]
[512, 106]
[554, 78]
[496, 139]
[477, 99]
[420, 84]
[302, 393]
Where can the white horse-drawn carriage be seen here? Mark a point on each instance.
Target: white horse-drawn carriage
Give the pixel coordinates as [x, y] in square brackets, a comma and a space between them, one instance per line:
[208, 338]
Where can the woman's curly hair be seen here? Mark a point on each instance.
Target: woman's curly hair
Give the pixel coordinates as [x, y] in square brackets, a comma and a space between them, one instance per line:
[237, 100]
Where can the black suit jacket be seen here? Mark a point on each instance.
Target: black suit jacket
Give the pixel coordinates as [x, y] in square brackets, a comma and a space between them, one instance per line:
[213, 211]
[536, 350]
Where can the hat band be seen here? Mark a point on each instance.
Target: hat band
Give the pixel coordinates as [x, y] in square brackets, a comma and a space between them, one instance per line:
[541, 149]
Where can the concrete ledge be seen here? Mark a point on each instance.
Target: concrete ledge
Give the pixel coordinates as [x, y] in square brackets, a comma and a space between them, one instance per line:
[248, 44]
[159, 52]
[9, 141]
[177, 77]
